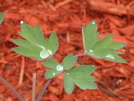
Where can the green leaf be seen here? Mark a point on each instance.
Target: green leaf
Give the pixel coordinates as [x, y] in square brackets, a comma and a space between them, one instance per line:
[80, 77]
[33, 35]
[115, 58]
[103, 52]
[82, 70]
[28, 33]
[107, 54]
[47, 44]
[2, 17]
[90, 35]
[102, 49]
[85, 82]
[100, 54]
[52, 73]
[21, 42]
[69, 61]
[103, 42]
[68, 84]
[53, 40]
[30, 51]
[50, 63]
[115, 45]
[39, 34]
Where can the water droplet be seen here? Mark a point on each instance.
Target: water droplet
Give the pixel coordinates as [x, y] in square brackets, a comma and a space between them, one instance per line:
[59, 67]
[45, 53]
[90, 50]
[67, 73]
[110, 56]
[53, 73]
[93, 22]
[21, 22]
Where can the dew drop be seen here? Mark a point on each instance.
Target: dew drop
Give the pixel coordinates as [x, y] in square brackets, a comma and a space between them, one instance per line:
[53, 73]
[45, 53]
[93, 22]
[21, 22]
[110, 56]
[90, 50]
[67, 73]
[59, 67]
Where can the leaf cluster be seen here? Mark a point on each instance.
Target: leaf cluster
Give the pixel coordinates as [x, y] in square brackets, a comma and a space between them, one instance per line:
[102, 49]
[34, 45]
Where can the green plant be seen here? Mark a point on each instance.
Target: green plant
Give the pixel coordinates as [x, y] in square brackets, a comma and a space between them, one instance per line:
[34, 45]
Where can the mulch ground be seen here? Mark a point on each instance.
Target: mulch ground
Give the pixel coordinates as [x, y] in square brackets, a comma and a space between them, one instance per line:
[66, 17]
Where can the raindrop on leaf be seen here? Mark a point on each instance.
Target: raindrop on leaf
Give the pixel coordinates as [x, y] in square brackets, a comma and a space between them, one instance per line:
[93, 22]
[59, 67]
[21, 22]
[53, 73]
[90, 50]
[110, 56]
[45, 53]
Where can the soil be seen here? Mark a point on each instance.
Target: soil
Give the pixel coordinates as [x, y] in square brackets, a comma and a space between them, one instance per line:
[115, 81]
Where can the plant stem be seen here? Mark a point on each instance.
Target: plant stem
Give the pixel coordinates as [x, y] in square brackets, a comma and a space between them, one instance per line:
[79, 55]
[12, 89]
[22, 70]
[34, 87]
[43, 90]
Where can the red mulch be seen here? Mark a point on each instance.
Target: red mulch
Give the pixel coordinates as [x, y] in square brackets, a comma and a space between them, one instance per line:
[66, 17]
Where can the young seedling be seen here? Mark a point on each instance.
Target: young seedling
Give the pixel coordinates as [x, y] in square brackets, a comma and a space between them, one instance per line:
[34, 45]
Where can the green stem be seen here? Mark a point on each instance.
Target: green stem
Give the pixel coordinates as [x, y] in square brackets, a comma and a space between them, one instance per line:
[79, 55]
[12, 89]
[43, 90]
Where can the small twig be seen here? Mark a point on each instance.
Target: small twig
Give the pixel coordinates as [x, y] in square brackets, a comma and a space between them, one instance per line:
[79, 55]
[22, 70]
[12, 89]
[43, 90]
[107, 90]
[34, 87]
[63, 3]
[110, 8]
